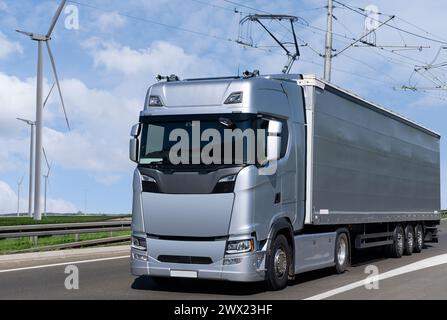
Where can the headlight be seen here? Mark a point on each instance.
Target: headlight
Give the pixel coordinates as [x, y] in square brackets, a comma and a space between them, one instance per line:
[235, 97]
[225, 184]
[139, 243]
[240, 246]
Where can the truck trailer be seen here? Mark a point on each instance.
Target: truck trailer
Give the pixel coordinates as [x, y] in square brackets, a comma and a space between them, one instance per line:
[337, 174]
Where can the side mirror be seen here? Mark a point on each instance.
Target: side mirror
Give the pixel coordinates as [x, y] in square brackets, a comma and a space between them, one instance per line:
[135, 131]
[274, 140]
[134, 143]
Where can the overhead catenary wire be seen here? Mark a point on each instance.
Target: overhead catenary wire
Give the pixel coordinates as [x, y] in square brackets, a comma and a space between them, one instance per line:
[360, 11]
[301, 21]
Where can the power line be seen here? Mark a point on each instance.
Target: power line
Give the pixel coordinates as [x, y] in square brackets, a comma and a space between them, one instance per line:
[364, 36]
[356, 10]
[203, 34]
[229, 40]
[420, 29]
[245, 6]
[217, 6]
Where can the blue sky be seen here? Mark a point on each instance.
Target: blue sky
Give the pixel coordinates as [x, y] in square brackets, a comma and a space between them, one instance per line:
[107, 64]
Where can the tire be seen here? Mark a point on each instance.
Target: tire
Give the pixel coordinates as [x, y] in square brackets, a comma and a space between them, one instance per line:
[396, 249]
[341, 256]
[409, 240]
[278, 264]
[418, 238]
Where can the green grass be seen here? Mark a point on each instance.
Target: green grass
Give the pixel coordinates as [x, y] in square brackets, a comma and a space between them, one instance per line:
[13, 221]
[11, 245]
[444, 214]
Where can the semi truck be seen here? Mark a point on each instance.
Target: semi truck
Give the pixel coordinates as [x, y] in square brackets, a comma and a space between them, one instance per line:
[337, 174]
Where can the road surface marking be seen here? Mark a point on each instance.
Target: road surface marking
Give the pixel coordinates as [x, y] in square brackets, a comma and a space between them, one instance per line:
[63, 264]
[423, 264]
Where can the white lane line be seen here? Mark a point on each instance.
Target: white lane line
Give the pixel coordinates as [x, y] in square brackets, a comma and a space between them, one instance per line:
[64, 264]
[423, 264]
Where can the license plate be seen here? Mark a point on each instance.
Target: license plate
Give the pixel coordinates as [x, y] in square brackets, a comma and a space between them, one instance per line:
[183, 274]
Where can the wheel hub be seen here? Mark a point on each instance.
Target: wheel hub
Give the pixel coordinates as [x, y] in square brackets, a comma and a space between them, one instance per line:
[341, 252]
[280, 263]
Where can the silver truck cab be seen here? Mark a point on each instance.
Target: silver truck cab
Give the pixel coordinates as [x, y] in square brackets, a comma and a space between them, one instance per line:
[217, 221]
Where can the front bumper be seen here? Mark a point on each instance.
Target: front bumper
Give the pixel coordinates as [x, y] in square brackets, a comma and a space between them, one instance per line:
[249, 266]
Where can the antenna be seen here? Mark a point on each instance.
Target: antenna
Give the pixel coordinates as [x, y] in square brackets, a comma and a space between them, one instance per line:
[259, 18]
[40, 39]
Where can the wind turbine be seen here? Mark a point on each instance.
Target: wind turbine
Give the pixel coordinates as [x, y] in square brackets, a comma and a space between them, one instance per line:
[39, 103]
[19, 185]
[32, 124]
[46, 183]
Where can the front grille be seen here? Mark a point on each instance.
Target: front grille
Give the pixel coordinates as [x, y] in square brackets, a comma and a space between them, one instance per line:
[185, 259]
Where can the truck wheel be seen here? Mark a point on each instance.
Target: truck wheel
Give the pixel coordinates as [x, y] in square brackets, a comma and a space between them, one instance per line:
[409, 240]
[396, 249]
[278, 264]
[341, 253]
[418, 238]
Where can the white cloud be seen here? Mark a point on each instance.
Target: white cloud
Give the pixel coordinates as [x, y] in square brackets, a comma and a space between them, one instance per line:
[8, 198]
[17, 99]
[160, 57]
[7, 47]
[8, 202]
[111, 21]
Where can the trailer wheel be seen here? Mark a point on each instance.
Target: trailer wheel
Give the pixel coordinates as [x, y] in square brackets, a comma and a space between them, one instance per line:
[396, 249]
[278, 264]
[418, 238]
[409, 240]
[341, 253]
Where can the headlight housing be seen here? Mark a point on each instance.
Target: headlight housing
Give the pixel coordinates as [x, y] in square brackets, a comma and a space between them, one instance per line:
[225, 184]
[240, 246]
[139, 243]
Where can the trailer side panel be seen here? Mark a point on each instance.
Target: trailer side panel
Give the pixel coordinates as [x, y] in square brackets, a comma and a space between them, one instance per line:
[370, 165]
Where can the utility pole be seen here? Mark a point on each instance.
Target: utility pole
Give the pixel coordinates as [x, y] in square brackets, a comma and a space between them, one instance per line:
[328, 48]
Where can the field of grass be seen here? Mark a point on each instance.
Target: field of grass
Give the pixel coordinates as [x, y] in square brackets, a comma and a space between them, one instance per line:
[15, 221]
[11, 245]
[444, 215]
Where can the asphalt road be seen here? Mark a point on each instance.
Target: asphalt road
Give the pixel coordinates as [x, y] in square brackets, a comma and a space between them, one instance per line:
[111, 279]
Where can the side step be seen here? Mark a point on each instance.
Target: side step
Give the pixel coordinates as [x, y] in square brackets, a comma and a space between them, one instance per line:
[363, 241]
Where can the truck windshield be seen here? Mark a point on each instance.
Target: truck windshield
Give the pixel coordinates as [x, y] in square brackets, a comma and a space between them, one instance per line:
[221, 140]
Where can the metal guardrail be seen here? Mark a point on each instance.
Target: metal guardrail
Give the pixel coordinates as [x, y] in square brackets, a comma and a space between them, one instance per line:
[62, 229]
[77, 244]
